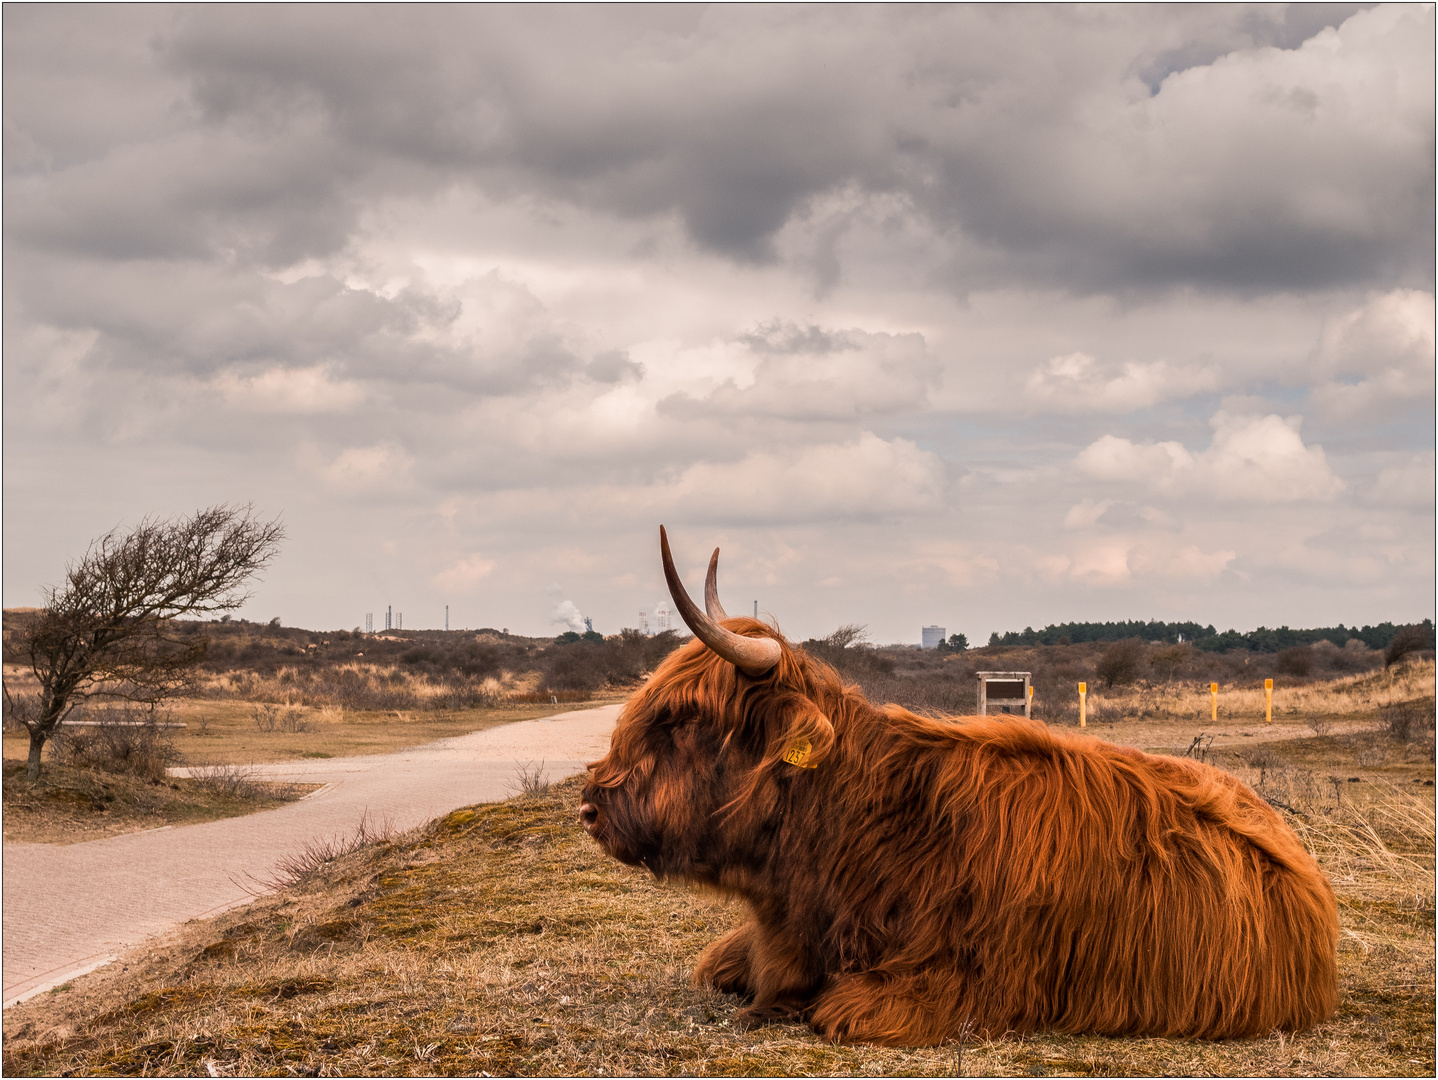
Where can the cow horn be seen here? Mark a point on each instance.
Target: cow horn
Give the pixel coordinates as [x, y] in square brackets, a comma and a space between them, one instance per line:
[753, 656]
[711, 590]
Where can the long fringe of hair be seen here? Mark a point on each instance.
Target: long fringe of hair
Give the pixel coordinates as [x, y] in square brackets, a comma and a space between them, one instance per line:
[929, 874]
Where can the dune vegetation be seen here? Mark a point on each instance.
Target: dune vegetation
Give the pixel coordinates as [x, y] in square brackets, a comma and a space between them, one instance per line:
[499, 940]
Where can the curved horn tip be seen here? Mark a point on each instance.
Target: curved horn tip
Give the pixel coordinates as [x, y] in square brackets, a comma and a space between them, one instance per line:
[711, 590]
[753, 656]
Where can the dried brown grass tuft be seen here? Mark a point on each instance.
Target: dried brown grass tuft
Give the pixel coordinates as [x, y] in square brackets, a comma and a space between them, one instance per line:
[318, 857]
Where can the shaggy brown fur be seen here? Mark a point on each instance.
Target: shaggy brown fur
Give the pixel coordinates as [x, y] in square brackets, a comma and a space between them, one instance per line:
[930, 873]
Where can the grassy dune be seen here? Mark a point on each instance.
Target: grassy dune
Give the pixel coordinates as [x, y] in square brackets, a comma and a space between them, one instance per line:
[1351, 697]
[499, 940]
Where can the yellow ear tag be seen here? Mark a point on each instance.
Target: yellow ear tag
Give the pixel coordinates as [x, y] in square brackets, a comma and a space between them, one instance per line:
[798, 754]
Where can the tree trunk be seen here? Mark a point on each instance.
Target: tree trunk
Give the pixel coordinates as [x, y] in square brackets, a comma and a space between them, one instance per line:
[32, 765]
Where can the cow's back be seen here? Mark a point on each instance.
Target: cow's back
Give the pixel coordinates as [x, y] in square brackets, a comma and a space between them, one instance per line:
[1075, 885]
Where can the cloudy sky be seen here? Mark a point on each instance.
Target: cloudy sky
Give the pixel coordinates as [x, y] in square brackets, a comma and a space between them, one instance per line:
[976, 316]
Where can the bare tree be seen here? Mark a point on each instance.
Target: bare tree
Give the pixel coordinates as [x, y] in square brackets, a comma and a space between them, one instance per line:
[108, 632]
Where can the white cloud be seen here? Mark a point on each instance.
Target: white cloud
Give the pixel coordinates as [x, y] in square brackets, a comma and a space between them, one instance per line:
[1186, 562]
[1104, 563]
[1116, 459]
[362, 468]
[1076, 382]
[814, 374]
[1119, 561]
[464, 575]
[1264, 458]
[962, 565]
[1114, 515]
[290, 390]
[868, 477]
[1251, 459]
[1083, 515]
[1393, 330]
[1406, 483]
[1376, 356]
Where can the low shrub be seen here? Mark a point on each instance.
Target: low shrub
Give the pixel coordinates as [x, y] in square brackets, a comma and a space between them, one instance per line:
[1297, 661]
[1405, 720]
[1411, 639]
[581, 663]
[1120, 663]
[1167, 660]
[848, 652]
[233, 781]
[943, 693]
[127, 741]
[284, 718]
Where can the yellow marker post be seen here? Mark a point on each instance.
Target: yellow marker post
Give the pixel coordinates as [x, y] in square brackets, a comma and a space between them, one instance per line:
[1268, 695]
[1031, 700]
[1083, 711]
[1213, 690]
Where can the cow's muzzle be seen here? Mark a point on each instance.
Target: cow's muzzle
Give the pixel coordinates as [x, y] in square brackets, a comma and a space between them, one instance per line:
[589, 817]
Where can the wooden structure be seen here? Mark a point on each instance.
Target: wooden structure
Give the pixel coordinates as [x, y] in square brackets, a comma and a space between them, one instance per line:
[1004, 692]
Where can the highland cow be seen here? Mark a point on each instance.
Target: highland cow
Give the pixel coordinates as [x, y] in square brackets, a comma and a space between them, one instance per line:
[906, 877]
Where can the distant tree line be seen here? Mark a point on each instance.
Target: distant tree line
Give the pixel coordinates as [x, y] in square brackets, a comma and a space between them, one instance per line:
[1208, 639]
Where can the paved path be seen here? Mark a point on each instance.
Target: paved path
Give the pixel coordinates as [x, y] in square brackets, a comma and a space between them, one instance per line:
[71, 908]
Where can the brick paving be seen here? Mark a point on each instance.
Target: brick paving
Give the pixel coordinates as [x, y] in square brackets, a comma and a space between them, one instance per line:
[68, 908]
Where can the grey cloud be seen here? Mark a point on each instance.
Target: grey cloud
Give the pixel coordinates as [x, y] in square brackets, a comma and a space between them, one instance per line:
[1124, 515]
[80, 80]
[811, 374]
[1005, 127]
[199, 319]
[1283, 26]
[613, 367]
[357, 262]
[613, 112]
[781, 338]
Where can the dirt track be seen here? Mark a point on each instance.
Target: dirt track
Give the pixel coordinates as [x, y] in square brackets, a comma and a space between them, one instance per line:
[69, 909]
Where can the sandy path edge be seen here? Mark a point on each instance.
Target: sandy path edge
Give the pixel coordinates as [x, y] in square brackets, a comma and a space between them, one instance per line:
[69, 909]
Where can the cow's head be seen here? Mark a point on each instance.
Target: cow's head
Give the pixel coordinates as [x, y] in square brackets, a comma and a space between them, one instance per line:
[703, 754]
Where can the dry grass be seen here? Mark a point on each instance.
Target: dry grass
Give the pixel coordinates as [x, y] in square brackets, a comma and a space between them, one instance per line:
[499, 940]
[222, 732]
[367, 686]
[68, 805]
[1352, 697]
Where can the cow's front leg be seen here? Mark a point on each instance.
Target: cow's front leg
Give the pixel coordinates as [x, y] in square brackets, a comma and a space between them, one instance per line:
[889, 1010]
[726, 965]
[784, 979]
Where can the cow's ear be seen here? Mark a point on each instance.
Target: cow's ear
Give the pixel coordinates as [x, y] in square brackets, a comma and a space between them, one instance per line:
[800, 735]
